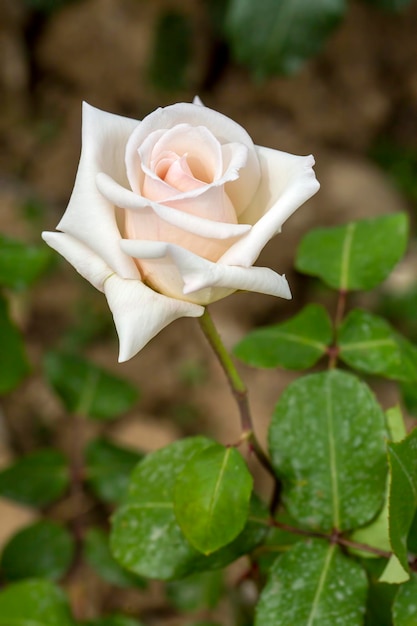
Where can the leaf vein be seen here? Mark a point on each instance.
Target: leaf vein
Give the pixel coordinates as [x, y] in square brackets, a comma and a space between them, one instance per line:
[322, 580]
[347, 246]
[406, 473]
[332, 459]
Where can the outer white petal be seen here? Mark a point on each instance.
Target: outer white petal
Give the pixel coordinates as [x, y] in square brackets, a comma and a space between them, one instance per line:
[85, 261]
[89, 216]
[126, 199]
[140, 313]
[286, 182]
[198, 273]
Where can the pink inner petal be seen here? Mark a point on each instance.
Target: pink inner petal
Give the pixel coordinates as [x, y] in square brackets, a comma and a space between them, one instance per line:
[180, 176]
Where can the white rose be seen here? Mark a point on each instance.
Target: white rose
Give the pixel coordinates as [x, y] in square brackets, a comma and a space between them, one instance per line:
[171, 213]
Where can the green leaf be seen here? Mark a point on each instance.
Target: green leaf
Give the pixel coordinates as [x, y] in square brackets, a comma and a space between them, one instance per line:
[98, 556]
[412, 536]
[402, 458]
[86, 389]
[327, 444]
[273, 37]
[43, 550]
[37, 479]
[146, 538]
[368, 343]
[198, 591]
[380, 595]
[359, 255]
[34, 603]
[21, 264]
[313, 584]
[404, 610]
[296, 344]
[211, 497]
[108, 468]
[394, 573]
[376, 533]
[13, 363]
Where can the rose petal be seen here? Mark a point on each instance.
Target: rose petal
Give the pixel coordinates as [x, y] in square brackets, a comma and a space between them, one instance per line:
[287, 181]
[90, 217]
[140, 313]
[85, 261]
[208, 228]
[203, 150]
[199, 274]
[222, 127]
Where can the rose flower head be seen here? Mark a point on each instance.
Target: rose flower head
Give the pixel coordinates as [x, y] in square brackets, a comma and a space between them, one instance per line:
[171, 213]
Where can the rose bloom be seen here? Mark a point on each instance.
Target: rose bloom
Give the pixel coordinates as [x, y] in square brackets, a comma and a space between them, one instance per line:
[170, 214]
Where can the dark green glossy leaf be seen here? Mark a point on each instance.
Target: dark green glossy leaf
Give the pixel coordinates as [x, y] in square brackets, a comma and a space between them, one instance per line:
[34, 603]
[368, 343]
[412, 536]
[403, 493]
[273, 37]
[296, 344]
[359, 255]
[313, 584]
[98, 556]
[108, 468]
[21, 264]
[404, 611]
[86, 389]
[43, 550]
[277, 541]
[13, 363]
[379, 602]
[198, 591]
[37, 479]
[327, 443]
[211, 497]
[146, 538]
[376, 533]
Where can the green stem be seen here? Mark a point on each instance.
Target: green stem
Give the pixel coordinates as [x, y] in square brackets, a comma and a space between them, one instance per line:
[237, 387]
[333, 351]
[335, 538]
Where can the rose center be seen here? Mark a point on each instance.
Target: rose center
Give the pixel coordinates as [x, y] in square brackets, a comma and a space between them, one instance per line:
[180, 172]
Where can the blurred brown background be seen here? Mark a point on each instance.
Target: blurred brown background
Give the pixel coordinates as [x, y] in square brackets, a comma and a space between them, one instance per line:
[360, 89]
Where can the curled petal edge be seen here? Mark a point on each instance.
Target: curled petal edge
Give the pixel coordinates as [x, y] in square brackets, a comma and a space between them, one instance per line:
[295, 186]
[198, 273]
[139, 313]
[126, 199]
